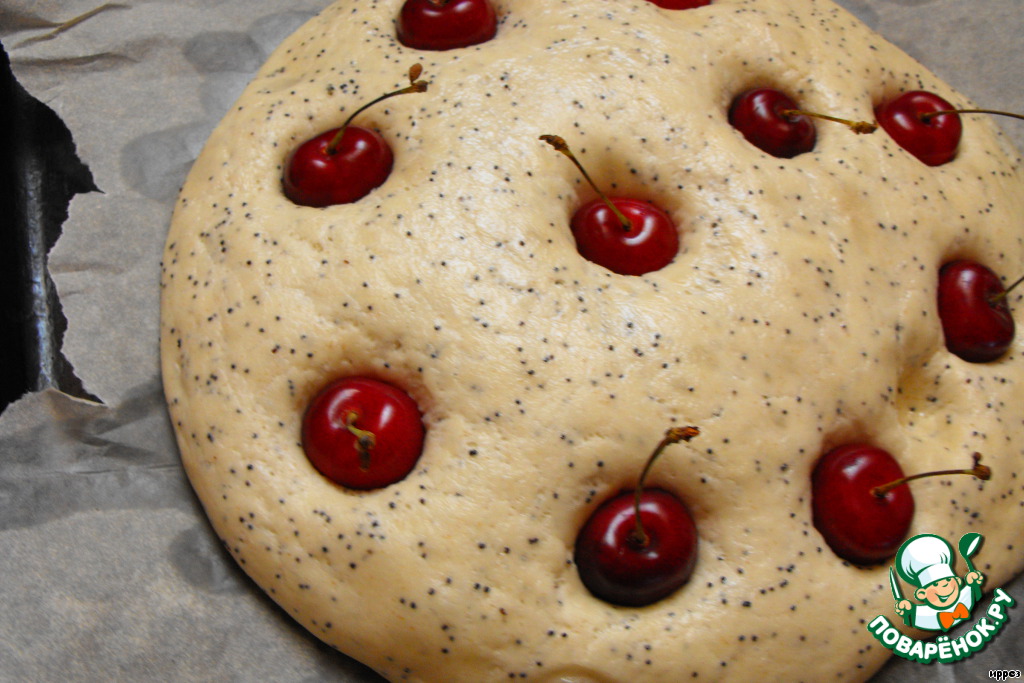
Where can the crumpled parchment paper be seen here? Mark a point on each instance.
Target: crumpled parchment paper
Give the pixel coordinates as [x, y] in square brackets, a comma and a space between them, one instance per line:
[108, 569]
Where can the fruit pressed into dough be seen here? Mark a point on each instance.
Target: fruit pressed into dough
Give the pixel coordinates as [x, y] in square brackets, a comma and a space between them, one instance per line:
[799, 314]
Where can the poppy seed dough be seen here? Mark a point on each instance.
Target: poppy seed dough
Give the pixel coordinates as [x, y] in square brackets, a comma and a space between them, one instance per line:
[799, 314]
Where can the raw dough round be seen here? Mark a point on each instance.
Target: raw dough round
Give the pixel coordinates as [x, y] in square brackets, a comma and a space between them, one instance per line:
[799, 314]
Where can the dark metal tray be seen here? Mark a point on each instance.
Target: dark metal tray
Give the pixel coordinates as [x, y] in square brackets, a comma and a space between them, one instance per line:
[39, 174]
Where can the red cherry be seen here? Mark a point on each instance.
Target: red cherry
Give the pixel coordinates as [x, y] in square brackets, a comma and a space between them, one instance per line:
[362, 433]
[621, 569]
[932, 139]
[626, 236]
[344, 164]
[445, 24]
[650, 242]
[316, 176]
[680, 4]
[858, 525]
[639, 546]
[766, 119]
[976, 319]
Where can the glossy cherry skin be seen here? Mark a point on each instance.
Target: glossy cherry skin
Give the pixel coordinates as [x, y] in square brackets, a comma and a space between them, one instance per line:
[976, 320]
[859, 526]
[381, 408]
[444, 25]
[618, 569]
[680, 4]
[650, 244]
[758, 115]
[314, 176]
[934, 141]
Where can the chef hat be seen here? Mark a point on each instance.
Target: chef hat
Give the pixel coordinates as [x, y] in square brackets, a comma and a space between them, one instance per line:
[925, 559]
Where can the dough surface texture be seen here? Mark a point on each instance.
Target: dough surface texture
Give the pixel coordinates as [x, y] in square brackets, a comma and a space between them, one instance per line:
[798, 315]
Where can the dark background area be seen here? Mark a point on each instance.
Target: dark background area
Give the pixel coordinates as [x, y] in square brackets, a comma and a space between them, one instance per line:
[39, 174]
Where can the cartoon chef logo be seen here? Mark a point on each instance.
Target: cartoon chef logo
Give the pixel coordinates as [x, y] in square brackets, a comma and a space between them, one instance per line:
[944, 599]
[940, 601]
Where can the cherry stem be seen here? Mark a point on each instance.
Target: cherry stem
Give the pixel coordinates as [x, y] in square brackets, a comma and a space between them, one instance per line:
[1006, 292]
[414, 86]
[980, 471]
[932, 114]
[560, 145]
[365, 441]
[859, 127]
[673, 435]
